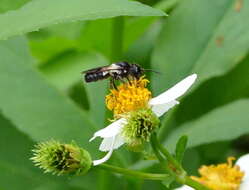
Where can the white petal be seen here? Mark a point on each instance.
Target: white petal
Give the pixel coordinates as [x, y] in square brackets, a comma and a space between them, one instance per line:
[107, 156]
[244, 185]
[104, 159]
[174, 92]
[243, 163]
[160, 109]
[107, 142]
[184, 187]
[111, 130]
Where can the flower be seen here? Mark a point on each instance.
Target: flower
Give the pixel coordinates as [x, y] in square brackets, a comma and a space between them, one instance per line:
[57, 158]
[224, 176]
[130, 98]
[221, 177]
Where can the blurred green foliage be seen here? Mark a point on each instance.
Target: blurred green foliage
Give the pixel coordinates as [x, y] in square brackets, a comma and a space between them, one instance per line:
[43, 96]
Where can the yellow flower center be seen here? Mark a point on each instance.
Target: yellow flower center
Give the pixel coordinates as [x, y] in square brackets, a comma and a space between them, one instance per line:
[221, 177]
[128, 97]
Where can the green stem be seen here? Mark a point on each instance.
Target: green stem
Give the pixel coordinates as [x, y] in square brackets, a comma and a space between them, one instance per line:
[133, 173]
[156, 152]
[178, 177]
[166, 153]
[192, 183]
[179, 174]
[117, 38]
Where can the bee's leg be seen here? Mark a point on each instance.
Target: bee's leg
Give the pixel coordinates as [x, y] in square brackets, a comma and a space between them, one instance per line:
[138, 77]
[112, 84]
[135, 77]
[121, 79]
[128, 80]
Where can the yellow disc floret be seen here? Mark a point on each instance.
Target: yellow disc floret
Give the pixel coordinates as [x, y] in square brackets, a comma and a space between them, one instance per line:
[221, 177]
[128, 97]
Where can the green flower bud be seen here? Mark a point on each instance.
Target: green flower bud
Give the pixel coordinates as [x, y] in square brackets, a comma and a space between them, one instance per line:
[57, 158]
[140, 125]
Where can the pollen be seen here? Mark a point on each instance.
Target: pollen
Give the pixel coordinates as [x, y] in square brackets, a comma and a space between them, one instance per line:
[128, 97]
[224, 176]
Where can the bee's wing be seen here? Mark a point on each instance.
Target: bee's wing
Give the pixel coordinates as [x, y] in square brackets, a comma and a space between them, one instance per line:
[101, 69]
[94, 70]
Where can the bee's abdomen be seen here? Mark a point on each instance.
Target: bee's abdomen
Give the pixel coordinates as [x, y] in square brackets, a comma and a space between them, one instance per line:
[91, 77]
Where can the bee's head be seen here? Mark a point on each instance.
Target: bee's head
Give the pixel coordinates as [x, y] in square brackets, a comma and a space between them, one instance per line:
[136, 71]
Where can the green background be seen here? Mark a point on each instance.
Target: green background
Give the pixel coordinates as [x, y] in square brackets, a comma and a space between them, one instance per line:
[46, 44]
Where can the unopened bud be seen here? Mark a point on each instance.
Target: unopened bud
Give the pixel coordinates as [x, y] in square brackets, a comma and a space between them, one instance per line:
[58, 158]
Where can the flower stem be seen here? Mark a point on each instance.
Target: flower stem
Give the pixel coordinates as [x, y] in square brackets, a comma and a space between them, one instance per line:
[166, 153]
[192, 183]
[133, 173]
[117, 38]
[156, 152]
[178, 177]
[177, 171]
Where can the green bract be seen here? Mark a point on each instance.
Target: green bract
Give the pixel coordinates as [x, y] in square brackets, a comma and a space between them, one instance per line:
[140, 125]
[57, 158]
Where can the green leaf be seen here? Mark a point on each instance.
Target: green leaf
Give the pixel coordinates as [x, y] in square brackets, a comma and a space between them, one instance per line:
[135, 28]
[13, 143]
[192, 161]
[222, 124]
[193, 40]
[180, 148]
[44, 44]
[6, 5]
[91, 39]
[65, 71]
[167, 182]
[215, 92]
[42, 13]
[48, 49]
[21, 172]
[142, 55]
[96, 95]
[35, 106]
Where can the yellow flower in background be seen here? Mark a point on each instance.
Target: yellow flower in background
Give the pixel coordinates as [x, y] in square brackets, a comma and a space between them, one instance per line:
[224, 176]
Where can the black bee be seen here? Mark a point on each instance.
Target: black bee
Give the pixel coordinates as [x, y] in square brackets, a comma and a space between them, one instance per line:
[116, 71]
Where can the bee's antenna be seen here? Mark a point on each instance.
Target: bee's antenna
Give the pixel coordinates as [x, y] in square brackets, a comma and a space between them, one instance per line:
[151, 70]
